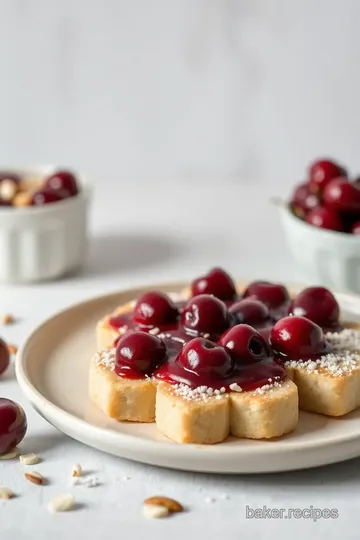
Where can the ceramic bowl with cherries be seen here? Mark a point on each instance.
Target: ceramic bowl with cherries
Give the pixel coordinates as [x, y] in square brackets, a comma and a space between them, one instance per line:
[321, 221]
[43, 223]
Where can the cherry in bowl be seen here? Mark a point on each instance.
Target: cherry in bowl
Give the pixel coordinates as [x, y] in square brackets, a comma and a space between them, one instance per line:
[62, 181]
[140, 353]
[216, 282]
[303, 200]
[47, 196]
[298, 338]
[204, 358]
[205, 314]
[155, 308]
[13, 425]
[245, 344]
[321, 172]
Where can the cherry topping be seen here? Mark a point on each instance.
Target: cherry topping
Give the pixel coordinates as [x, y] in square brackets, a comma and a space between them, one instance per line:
[325, 218]
[272, 295]
[317, 304]
[62, 180]
[216, 282]
[4, 356]
[303, 200]
[13, 425]
[154, 308]
[205, 314]
[342, 196]
[355, 229]
[47, 196]
[322, 172]
[203, 357]
[251, 311]
[140, 352]
[298, 338]
[245, 344]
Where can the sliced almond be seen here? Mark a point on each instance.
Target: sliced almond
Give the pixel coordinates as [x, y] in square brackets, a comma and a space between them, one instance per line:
[155, 511]
[76, 470]
[7, 319]
[6, 493]
[170, 504]
[12, 348]
[10, 455]
[64, 503]
[29, 459]
[35, 478]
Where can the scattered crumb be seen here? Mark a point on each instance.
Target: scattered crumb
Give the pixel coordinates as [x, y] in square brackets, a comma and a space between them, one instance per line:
[12, 348]
[76, 470]
[7, 319]
[85, 482]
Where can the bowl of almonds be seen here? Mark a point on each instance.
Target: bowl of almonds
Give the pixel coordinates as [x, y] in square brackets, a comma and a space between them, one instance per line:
[43, 223]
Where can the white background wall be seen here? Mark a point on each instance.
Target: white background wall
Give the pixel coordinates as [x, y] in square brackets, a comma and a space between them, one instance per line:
[180, 90]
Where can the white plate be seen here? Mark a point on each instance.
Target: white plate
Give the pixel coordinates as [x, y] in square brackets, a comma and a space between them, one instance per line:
[52, 370]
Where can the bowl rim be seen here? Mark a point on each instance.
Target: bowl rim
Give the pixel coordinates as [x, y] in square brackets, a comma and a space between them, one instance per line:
[284, 207]
[84, 193]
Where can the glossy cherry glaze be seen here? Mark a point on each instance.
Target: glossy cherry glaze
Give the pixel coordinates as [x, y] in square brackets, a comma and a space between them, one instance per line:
[342, 196]
[252, 312]
[205, 358]
[47, 196]
[273, 295]
[138, 353]
[303, 200]
[320, 306]
[298, 338]
[4, 356]
[205, 314]
[325, 218]
[321, 172]
[216, 282]
[62, 181]
[13, 425]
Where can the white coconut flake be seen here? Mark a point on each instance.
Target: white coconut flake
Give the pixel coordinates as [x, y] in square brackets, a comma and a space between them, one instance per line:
[235, 387]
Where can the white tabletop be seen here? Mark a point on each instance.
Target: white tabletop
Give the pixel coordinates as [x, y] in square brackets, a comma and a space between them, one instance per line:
[161, 233]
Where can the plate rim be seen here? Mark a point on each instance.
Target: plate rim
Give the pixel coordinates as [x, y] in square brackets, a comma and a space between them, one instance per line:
[56, 415]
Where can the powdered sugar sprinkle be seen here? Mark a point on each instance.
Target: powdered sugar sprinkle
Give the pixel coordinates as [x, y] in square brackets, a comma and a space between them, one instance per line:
[106, 359]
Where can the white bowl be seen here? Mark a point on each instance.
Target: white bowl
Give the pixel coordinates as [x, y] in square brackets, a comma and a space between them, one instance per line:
[43, 242]
[325, 257]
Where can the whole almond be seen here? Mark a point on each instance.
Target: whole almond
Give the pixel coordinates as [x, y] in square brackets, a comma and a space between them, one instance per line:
[6, 493]
[64, 503]
[29, 459]
[35, 478]
[170, 504]
[12, 348]
[10, 455]
[7, 319]
[154, 511]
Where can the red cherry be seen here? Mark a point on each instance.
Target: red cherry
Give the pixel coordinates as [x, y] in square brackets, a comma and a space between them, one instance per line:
[62, 180]
[355, 229]
[216, 282]
[47, 196]
[322, 172]
[342, 196]
[4, 356]
[203, 357]
[245, 344]
[325, 218]
[302, 200]
[317, 304]
[205, 314]
[9, 176]
[155, 308]
[250, 311]
[139, 351]
[272, 295]
[298, 338]
[13, 425]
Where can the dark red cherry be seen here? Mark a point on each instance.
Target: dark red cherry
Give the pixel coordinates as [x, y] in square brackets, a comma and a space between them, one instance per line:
[4, 356]
[205, 314]
[139, 351]
[317, 304]
[321, 172]
[13, 425]
[298, 338]
[342, 196]
[47, 196]
[9, 176]
[62, 180]
[155, 308]
[272, 295]
[216, 282]
[325, 218]
[251, 311]
[302, 200]
[203, 357]
[355, 229]
[245, 344]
